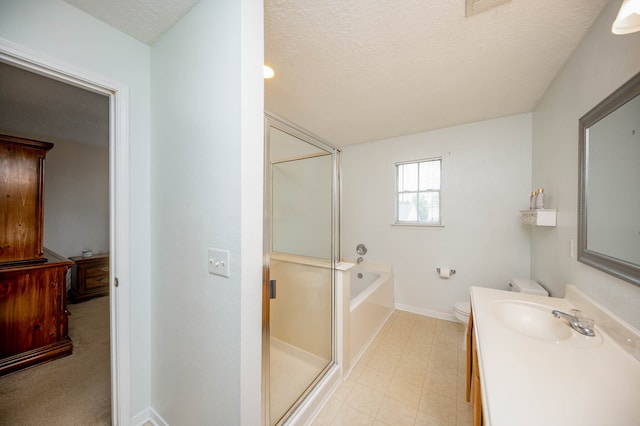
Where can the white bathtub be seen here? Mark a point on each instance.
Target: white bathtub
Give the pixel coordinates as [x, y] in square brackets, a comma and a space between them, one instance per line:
[371, 304]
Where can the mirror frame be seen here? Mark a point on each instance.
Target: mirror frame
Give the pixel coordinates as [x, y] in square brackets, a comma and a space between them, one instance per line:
[622, 269]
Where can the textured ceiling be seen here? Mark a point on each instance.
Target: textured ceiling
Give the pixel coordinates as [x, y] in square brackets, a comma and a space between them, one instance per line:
[145, 20]
[353, 71]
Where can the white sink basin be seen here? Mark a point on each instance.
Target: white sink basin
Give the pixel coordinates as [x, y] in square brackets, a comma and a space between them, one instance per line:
[531, 319]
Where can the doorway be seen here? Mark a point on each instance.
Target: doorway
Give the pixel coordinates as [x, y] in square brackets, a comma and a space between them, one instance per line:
[301, 252]
[118, 240]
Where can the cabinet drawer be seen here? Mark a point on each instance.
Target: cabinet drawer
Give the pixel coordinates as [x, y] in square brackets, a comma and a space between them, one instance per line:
[98, 270]
[90, 278]
[99, 281]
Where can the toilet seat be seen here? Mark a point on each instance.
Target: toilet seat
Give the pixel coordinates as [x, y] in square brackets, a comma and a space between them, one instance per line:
[461, 311]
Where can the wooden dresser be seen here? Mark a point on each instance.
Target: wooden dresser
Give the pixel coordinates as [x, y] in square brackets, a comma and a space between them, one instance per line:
[33, 315]
[89, 278]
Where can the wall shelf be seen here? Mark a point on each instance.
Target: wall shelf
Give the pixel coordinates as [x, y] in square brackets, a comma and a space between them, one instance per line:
[542, 217]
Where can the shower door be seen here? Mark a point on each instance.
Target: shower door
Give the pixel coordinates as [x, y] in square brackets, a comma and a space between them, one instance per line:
[298, 280]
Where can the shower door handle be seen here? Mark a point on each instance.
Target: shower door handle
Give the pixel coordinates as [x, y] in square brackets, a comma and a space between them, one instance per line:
[272, 289]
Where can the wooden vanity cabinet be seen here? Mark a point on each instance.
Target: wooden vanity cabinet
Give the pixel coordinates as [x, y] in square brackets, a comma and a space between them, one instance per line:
[89, 277]
[474, 393]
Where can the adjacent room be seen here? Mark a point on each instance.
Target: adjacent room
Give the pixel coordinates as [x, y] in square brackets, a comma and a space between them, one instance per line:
[74, 227]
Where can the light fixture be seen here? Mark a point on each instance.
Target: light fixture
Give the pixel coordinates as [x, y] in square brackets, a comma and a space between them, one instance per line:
[473, 7]
[628, 19]
[268, 72]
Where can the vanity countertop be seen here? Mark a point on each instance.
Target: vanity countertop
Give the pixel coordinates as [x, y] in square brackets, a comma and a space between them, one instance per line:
[532, 381]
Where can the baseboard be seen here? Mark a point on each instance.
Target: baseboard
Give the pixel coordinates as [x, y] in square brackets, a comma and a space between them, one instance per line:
[148, 417]
[426, 312]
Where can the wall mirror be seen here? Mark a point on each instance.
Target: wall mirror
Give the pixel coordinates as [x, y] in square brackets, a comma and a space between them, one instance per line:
[609, 184]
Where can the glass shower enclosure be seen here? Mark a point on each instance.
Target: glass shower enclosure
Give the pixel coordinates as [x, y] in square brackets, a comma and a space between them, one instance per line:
[299, 264]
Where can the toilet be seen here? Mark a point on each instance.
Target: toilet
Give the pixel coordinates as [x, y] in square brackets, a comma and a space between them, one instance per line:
[462, 309]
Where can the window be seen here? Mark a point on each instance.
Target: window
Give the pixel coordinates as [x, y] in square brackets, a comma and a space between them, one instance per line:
[418, 192]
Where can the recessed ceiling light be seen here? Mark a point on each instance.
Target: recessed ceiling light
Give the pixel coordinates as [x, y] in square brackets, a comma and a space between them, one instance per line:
[268, 72]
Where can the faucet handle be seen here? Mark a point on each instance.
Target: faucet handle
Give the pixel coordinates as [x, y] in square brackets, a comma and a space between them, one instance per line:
[577, 321]
[584, 321]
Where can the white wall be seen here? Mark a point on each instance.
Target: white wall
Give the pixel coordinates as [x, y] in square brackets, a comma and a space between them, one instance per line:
[76, 198]
[600, 64]
[206, 174]
[486, 180]
[58, 30]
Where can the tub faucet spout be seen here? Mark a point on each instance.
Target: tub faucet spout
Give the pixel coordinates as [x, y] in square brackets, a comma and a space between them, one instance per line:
[579, 323]
[360, 259]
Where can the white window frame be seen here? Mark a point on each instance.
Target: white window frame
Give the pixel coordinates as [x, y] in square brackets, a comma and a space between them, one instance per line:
[397, 194]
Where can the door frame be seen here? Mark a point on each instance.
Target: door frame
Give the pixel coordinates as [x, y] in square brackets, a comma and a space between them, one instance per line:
[119, 271]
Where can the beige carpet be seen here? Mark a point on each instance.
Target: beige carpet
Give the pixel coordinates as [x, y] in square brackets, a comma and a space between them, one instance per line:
[70, 391]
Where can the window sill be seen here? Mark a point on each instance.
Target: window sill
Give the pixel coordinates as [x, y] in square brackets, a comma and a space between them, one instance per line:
[417, 225]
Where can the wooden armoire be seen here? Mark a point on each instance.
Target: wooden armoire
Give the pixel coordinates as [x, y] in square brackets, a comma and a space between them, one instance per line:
[33, 280]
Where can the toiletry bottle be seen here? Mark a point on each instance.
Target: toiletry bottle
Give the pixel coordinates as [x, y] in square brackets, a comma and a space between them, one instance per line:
[540, 199]
[532, 201]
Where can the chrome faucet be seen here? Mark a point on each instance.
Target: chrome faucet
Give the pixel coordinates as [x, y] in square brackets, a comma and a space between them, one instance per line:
[360, 259]
[578, 322]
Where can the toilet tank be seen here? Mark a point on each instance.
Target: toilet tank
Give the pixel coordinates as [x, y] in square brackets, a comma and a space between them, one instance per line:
[525, 285]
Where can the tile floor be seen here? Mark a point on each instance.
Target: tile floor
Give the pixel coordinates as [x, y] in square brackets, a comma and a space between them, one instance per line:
[413, 373]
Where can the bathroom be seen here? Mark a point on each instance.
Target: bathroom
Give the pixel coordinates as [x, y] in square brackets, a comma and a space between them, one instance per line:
[481, 235]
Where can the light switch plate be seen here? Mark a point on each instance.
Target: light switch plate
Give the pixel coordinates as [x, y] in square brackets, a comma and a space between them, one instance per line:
[218, 260]
[572, 248]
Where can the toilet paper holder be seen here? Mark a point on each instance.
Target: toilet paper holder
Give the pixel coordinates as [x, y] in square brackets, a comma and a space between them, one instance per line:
[451, 271]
